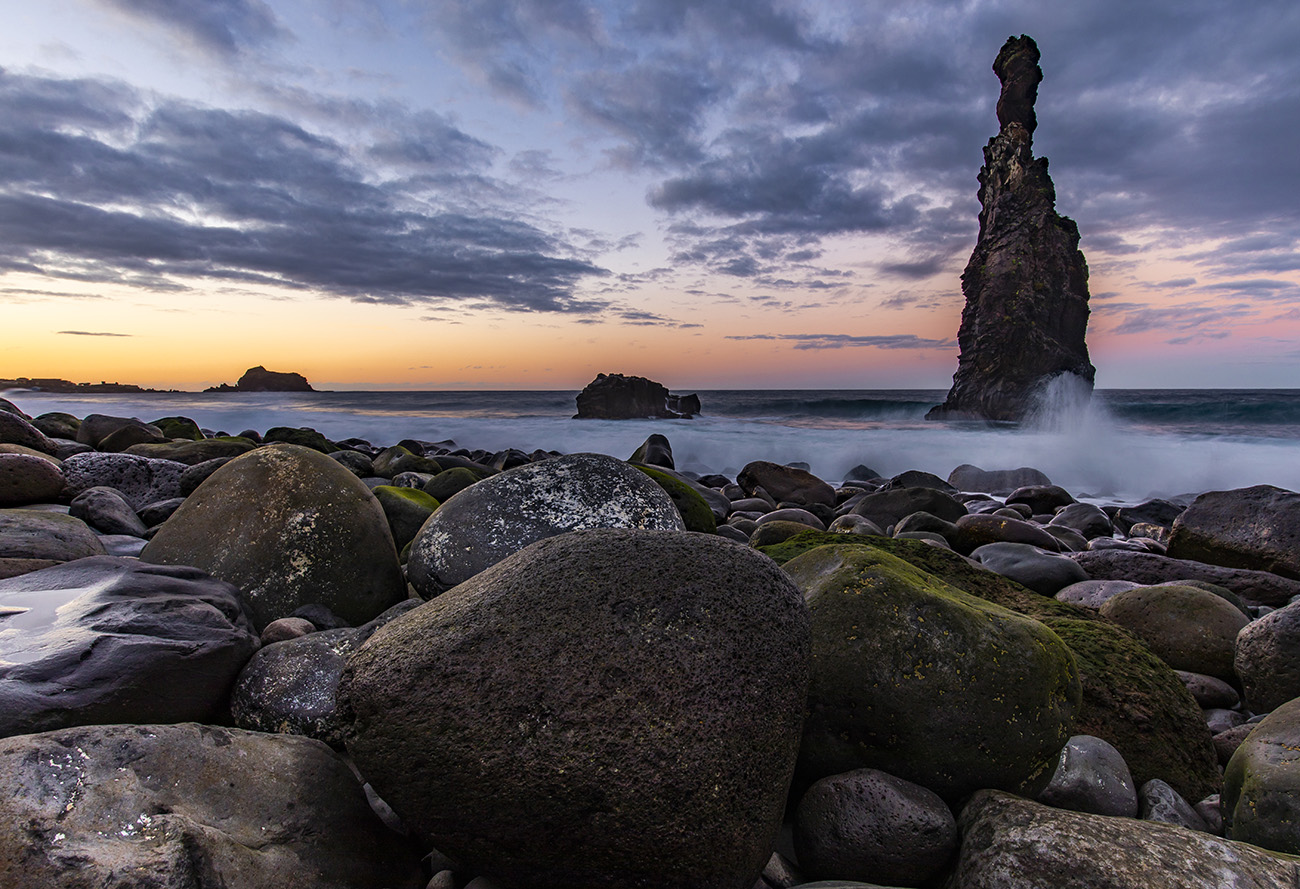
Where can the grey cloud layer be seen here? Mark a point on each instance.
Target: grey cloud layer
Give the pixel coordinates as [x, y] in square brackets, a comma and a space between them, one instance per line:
[100, 183]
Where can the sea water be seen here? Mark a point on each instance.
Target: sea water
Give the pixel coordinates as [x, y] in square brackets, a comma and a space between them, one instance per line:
[1122, 445]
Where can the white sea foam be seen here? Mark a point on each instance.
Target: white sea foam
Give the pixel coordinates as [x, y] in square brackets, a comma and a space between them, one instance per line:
[1082, 448]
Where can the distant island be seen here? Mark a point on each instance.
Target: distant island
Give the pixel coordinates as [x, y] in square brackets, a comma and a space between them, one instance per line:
[50, 384]
[259, 379]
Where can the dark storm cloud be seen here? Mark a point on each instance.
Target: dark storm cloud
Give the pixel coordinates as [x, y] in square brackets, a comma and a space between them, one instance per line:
[223, 27]
[109, 191]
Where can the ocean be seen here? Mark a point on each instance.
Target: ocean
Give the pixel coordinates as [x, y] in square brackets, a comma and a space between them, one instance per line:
[1121, 445]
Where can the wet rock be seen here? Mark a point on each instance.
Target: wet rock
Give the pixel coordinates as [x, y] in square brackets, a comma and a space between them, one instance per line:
[1087, 519]
[1043, 572]
[27, 534]
[975, 531]
[887, 508]
[605, 683]
[1259, 587]
[1256, 528]
[501, 515]
[1267, 658]
[995, 481]
[1160, 802]
[15, 429]
[867, 824]
[288, 526]
[1209, 691]
[141, 480]
[1026, 284]
[1091, 776]
[616, 397]
[107, 639]
[26, 478]
[1189, 628]
[905, 680]
[785, 483]
[1011, 843]
[107, 511]
[654, 451]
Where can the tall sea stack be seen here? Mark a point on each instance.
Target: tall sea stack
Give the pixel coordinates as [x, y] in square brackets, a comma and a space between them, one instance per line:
[1026, 285]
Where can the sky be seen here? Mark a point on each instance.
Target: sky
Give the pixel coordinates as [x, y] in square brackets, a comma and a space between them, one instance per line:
[715, 194]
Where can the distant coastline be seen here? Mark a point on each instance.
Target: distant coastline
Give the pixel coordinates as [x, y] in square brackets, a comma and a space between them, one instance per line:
[50, 384]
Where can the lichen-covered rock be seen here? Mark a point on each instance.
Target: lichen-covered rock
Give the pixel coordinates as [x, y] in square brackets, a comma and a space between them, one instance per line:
[288, 526]
[1261, 785]
[1026, 284]
[500, 515]
[919, 679]
[607, 708]
[189, 807]
[109, 639]
[1256, 528]
[1012, 843]
[407, 509]
[1131, 698]
[695, 511]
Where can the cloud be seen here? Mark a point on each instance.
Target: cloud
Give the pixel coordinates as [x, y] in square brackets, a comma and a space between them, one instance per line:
[805, 341]
[92, 333]
[103, 186]
[221, 27]
[1197, 320]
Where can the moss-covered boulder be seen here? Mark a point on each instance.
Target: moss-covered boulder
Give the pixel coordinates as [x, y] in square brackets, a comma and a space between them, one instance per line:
[290, 527]
[449, 482]
[1188, 627]
[192, 453]
[1261, 785]
[57, 424]
[303, 436]
[406, 509]
[695, 511]
[179, 427]
[919, 679]
[1131, 698]
[398, 459]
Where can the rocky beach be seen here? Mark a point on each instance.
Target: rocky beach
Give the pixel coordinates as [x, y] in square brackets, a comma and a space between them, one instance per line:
[255, 657]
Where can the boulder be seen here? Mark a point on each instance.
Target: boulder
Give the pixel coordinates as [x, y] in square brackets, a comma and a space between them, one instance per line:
[916, 478]
[867, 824]
[1087, 519]
[1211, 692]
[288, 526]
[1091, 594]
[1042, 571]
[95, 428]
[303, 436]
[26, 478]
[636, 696]
[107, 511]
[995, 481]
[1267, 659]
[1026, 284]
[192, 453]
[1149, 512]
[51, 536]
[15, 429]
[57, 424]
[785, 483]
[1091, 776]
[189, 807]
[1188, 627]
[975, 531]
[407, 509]
[449, 482]
[696, 513]
[1041, 499]
[656, 450]
[1256, 528]
[141, 480]
[616, 397]
[914, 677]
[1012, 843]
[1259, 587]
[504, 513]
[887, 508]
[1261, 784]
[108, 639]
[1160, 802]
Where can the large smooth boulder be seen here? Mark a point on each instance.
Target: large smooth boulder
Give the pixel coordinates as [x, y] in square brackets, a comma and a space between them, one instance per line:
[501, 515]
[974, 531]
[1256, 528]
[1131, 698]
[1267, 659]
[785, 483]
[887, 508]
[1043, 571]
[1261, 785]
[289, 526]
[1012, 843]
[107, 511]
[27, 478]
[995, 481]
[916, 678]
[1188, 627]
[607, 708]
[189, 807]
[867, 824]
[109, 639]
[1260, 587]
[192, 453]
[141, 480]
[50, 536]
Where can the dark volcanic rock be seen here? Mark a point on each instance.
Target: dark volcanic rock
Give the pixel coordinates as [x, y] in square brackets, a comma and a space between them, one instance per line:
[259, 379]
[616, 397]
[1253, 528]
[1026, 285]
[108, 639]
[189, 807]
[608, 708]
[1259, 587]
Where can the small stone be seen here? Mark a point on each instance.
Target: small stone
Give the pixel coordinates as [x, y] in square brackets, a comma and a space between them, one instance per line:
[1160, 802]
[1092, 776]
